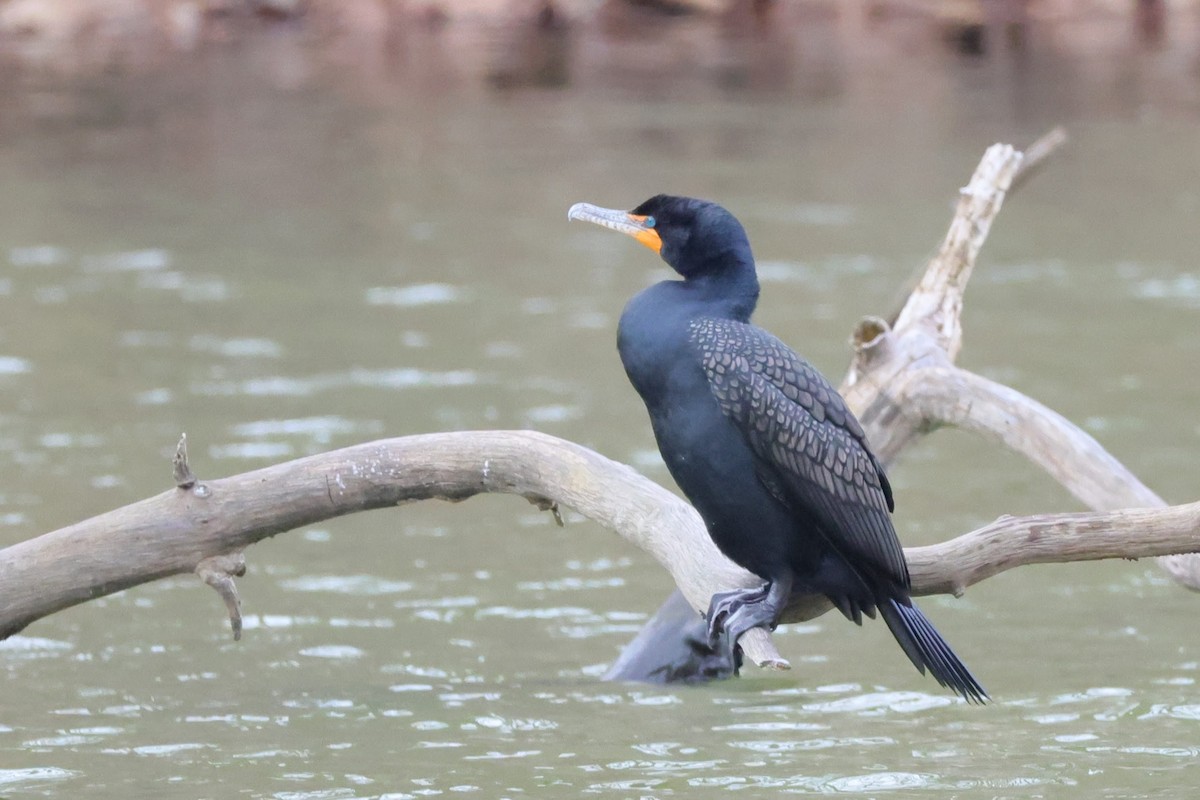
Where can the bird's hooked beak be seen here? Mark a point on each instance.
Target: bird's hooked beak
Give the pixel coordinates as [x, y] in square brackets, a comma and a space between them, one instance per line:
[634, 225]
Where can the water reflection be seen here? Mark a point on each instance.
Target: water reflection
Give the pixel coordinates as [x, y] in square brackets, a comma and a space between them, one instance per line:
[402, 378]
[22, 778]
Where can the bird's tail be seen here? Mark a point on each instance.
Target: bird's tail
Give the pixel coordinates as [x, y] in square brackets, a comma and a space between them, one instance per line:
[927, 649]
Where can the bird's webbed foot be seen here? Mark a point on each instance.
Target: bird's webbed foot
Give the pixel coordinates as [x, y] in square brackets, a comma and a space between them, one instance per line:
[735, 612]
[723, 604]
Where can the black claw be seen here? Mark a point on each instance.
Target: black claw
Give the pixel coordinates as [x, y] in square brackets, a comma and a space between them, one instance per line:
[737, 603]
[716, 624]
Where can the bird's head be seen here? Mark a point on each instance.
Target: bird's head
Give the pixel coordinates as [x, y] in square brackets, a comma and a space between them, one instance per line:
[695, 237]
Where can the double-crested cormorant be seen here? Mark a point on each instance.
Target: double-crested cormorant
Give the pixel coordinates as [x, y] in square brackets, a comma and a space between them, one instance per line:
[759, 441]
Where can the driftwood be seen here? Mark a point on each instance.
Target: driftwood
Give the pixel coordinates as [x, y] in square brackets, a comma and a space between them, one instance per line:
[902, 384]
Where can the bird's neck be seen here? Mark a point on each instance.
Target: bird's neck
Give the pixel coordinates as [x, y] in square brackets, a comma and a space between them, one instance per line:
[731, 292]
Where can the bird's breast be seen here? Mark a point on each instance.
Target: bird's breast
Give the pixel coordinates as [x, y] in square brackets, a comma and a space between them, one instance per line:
[652, 339]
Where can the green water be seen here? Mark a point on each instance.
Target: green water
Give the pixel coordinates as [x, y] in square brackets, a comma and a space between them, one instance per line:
[281, 261]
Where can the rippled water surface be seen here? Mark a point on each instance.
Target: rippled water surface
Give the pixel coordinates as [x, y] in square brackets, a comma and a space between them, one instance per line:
[281, 261]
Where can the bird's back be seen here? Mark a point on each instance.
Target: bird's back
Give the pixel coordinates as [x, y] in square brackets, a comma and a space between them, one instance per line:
[811, 453]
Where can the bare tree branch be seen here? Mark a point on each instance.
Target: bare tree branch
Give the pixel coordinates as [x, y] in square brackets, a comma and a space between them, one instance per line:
[902, 382]
[953, 396]
[1036, 155]
[936, 303]
[183, 530]
[950, 567]
[196, 529]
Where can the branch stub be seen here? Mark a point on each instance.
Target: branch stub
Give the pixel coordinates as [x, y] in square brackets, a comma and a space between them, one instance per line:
[219, 572]
[182, 471]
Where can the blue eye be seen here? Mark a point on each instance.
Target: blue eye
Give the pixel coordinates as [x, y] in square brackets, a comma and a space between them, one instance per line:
[650, 222]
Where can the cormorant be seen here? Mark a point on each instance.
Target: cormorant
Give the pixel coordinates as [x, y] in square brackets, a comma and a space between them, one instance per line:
[759, 441]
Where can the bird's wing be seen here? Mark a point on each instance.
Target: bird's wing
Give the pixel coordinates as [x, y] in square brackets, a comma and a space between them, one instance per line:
[802, 432]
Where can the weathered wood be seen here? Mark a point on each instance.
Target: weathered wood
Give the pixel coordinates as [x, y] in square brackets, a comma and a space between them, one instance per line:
[177, 531]
[196, 529]
[950, 567]
[935, 305]
[902, 382]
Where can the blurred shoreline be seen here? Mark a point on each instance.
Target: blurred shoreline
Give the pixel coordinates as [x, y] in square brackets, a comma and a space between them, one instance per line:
[555, 43]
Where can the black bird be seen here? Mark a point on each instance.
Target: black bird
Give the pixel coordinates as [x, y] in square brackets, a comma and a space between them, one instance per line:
[760, 442]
